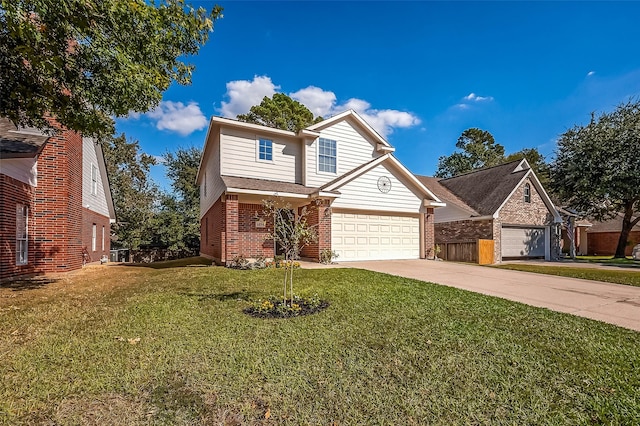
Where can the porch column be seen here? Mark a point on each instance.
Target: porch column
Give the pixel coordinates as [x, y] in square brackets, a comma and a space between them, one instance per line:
[429, 234]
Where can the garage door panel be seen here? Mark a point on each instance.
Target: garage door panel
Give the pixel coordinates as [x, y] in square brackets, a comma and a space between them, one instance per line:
[373, 237]
[523, 242]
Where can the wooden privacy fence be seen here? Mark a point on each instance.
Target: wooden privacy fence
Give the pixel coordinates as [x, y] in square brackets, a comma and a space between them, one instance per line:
[479, 251]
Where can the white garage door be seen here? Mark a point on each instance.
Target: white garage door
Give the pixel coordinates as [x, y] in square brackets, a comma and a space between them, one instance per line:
[523, 242]
[374, 237]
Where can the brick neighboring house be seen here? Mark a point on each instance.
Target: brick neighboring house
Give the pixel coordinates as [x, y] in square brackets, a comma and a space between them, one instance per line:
[363, 202]
[602, 237]
[56, 209]
[505, 203]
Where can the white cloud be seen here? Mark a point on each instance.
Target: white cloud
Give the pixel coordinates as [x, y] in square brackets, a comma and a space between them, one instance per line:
[243, 94]
[472, 97]
[159, 159]
[590, 73]
[178, 117]
[319, 102]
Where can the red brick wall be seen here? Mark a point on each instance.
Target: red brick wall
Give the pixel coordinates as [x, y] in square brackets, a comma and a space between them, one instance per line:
[253, 242]
[58, 204]
[14, 192]
[605, 243]
[429, 234]
[88, 219]
[517, 211]
[212, 242]
[318, 217]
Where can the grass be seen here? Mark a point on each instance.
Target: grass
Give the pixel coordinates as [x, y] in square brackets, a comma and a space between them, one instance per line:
[609, 260]
[627, 276]
[387, 351]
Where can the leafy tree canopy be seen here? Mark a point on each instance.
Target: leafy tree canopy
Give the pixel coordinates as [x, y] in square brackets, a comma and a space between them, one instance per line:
[281, 112]
[86, 61]
[478, 149]
[596, 170]
[134, 194]
[179, 215]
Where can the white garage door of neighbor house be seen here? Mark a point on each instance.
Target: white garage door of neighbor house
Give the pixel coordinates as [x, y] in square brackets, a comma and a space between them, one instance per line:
[374, 237]
[523, 242]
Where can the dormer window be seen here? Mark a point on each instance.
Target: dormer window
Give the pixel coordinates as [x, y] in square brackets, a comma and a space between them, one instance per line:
[265, 150]
[327, 155]
[527, 193]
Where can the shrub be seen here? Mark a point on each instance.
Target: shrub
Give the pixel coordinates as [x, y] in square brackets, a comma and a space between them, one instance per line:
[327, 256]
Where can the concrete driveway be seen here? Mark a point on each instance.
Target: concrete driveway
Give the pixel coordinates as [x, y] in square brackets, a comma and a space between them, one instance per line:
[613, 303]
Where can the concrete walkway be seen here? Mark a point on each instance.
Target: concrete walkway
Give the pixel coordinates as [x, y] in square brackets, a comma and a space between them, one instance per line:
[613, 303]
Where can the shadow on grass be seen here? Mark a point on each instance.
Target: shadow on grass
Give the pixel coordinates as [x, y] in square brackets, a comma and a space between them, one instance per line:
[178, 263]
[222, 297]
[31, 283]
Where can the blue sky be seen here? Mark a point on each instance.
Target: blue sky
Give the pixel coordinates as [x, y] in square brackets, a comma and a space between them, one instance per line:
[419, 72]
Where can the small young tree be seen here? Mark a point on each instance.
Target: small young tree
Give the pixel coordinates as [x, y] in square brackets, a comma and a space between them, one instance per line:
[292, 233]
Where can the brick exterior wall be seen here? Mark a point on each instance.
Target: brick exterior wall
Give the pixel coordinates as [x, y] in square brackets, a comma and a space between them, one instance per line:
[517, 211]
[212, 232]
[605, 243]
[58, 204]
[89, 218]
[254, 242]
[318, 217]
[229, 229]
[57, 221]
[463, 231]
[14, 192]
[429, 234]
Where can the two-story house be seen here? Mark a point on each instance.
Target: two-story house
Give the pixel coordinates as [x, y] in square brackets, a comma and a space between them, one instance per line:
[363, 202]
[55, 202]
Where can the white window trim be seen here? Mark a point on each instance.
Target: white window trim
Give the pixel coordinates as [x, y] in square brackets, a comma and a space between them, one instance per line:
[102, 237]
[258, 159]
[21, 208]
[94, 236]
[318, 171]
[94, 179]
[527, 193]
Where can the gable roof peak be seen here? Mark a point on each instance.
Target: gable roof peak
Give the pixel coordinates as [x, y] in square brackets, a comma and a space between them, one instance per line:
[350, 113]
[522, 165]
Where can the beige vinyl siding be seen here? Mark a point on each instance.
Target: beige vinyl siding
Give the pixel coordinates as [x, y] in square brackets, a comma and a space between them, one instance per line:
[215, 186]
[94, 202]
[353, 149]
[363, 193]
[238, 151]
[22, 169]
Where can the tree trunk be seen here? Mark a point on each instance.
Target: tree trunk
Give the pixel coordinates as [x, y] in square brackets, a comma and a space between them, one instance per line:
[627, 225]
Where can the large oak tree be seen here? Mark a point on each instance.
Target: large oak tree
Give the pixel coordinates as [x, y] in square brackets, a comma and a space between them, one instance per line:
[597, 168]
[86, 61]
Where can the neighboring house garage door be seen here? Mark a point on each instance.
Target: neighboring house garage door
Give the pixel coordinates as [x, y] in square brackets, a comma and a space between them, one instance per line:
[374, 237]
[523, 242]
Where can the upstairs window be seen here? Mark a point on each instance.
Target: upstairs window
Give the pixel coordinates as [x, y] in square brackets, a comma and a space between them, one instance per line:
[327, 155]
[265, 150]
[527, 193]
[94, 180]
[22, 234]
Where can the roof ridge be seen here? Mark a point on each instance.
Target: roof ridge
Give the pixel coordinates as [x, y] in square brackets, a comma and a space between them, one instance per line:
[483, 169]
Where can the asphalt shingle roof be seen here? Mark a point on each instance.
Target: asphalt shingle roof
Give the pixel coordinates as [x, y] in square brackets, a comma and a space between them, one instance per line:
[485, 190]
[16, 144]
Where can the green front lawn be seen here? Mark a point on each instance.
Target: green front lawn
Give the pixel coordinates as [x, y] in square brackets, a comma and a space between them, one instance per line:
[605, 260]
[623, 276]
[388, 350]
